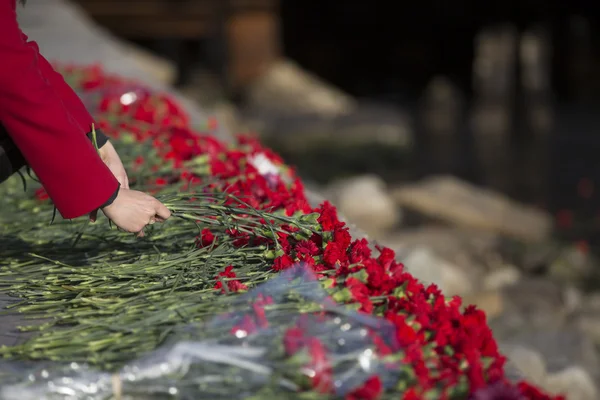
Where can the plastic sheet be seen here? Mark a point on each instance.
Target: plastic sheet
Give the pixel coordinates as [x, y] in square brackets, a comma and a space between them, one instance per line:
[279, 340]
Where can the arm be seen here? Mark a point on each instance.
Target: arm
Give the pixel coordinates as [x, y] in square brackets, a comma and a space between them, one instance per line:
[78, 110]
[42, 128]
[70, 99]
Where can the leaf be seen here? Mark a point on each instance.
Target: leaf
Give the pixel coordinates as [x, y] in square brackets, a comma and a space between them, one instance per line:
[362, 275]
[343, 296]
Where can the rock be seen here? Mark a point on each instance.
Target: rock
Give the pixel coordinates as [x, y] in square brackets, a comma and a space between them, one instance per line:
[455, 201]
[458, 245]
[572, 299]
[316, 198]
[561, 348]
[590, 325]
[287, 86]
[532, 258]
[528, 363]
[512, 373]
[530, 304]
[228, 116]
[505, 276]
[428, 268]
[473, 252]
[592, 302]
[373, 138]
[573, 382]
[158, 68]
[369, 122]
[533, 357]
[460, 261]
[364, 201]
[547, 317]
[573, 266]
[454, 280]
[588, 317]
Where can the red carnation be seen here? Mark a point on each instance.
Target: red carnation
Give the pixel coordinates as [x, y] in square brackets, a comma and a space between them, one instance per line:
[306, 247]
[533, 393]
[233, 285]
[386, 258]
[261, 315]
[342, 237]
[241, 238]
[246, 327]
[41, 194]
[370, 390]
[309, 261]
[360, 293]
[411, 394]
[328, 217]
[282, 263]
[333, 254]
[322, 380]
[359, 251]
[321, 372]
[293, 340]
[282, 239]
[160, 182]
[206, 238]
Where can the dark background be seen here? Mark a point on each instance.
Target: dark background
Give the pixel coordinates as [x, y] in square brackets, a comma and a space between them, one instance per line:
[389, 51]
[392, 49]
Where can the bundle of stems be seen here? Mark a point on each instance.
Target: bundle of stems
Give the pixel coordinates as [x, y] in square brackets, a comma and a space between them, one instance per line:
[107, 296]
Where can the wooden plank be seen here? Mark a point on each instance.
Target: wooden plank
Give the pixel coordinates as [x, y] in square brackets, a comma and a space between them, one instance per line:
[253, 45]
[256, 5]
[152, 27]
[250, 27]
[139, 8]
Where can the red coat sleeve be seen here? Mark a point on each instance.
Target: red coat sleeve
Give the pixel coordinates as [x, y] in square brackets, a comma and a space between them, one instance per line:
[49, 137]
[70, 99]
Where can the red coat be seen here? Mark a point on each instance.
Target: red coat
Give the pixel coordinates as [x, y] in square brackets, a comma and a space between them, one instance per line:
[48, 123]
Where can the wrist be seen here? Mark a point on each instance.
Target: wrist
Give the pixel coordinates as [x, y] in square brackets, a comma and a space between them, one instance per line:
[101, 138]
[111, 199]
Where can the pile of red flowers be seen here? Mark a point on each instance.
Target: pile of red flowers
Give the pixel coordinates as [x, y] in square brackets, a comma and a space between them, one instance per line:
[443, 343]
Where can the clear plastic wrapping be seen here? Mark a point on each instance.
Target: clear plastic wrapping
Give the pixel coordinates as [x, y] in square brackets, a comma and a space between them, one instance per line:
[279, 340]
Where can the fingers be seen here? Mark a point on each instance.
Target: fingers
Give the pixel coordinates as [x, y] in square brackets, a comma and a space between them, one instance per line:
[133, 211]
[162, 211]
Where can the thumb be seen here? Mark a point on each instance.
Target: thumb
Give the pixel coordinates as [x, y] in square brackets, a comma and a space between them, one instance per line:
[93, 215]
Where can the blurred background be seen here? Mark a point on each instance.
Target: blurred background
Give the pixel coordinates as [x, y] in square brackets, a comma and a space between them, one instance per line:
[464, 135]
[502, 95]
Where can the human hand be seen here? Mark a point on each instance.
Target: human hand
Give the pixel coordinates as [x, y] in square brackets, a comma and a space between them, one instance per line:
[113, 162]
[133, 210]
